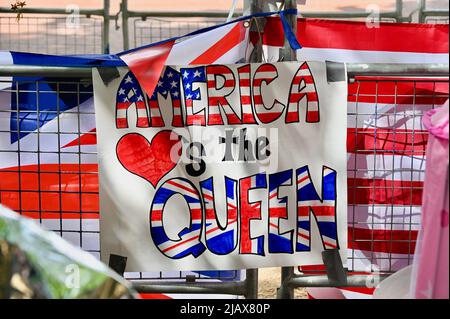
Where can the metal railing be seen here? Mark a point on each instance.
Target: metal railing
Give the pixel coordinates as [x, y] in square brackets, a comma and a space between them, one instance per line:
[68, 205]
[153, 26]
[62, 31]
[56, 30]
[428, 15]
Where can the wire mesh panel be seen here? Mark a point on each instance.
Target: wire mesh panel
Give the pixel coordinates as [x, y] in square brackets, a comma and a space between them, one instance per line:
[437, 20]
[153, 30]
[386, 144]
[52, 34]
[48, 165]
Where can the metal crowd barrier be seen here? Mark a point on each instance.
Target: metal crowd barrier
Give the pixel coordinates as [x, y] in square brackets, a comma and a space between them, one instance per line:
[30, 200]
[45, 30]
[153, 26]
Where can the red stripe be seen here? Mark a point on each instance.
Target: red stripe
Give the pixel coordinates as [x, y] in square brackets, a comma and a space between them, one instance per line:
[399, 92]
[330, 244]
[147, 64]
[380, 240]
[324, 210]
[85, 139]
[280, 212]
[246, 100]
[307, 78]
[295, 97]
[386, 141]
[384, 192]
[196, 214]
[221, 47]
[227, 84]
[154, 296]
[351, 35]
[66, 188]
[180, 243]
[126, 105]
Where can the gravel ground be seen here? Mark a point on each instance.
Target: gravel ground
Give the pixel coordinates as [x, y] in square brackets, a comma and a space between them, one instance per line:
[269, 281]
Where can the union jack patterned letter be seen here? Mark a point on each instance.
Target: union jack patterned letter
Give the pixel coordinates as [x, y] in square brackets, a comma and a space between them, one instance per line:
[189, 238]
[278, 209]
[323, 209]
[220, 240]
[250, 210]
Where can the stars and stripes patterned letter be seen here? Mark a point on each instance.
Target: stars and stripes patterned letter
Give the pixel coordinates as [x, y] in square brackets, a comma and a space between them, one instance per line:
[168, 85]
[248, 117]
[303, 91]
[265, 73]
[189, 76]
[217, 94]
[128, 94]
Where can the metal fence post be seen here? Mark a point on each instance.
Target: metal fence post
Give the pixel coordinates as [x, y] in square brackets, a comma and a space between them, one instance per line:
[251, 284]
[399, 10]
[288, 54]
[105, 35]
[124, 9]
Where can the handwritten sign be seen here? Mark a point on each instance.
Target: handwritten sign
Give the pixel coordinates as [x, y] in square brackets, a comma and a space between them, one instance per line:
[223, 167]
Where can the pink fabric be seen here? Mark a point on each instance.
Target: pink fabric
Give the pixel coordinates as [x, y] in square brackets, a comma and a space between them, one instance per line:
[430, 277]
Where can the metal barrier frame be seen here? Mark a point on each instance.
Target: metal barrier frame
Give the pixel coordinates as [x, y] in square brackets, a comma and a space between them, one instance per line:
[102, 12]
[424, 13]
[126, 14]
[249, 287]
[395, 15]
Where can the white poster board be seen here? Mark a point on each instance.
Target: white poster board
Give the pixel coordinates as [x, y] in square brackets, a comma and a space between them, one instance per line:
[223, 167]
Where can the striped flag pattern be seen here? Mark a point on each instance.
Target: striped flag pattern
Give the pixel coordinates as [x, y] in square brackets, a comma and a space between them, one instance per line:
[303, 90]
[130, 94]
[265, 73]
[218, 99]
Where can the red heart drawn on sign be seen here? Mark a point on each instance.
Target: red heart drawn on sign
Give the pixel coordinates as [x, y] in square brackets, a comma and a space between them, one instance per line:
[151, 161]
